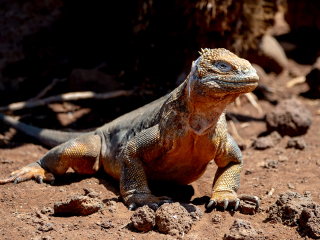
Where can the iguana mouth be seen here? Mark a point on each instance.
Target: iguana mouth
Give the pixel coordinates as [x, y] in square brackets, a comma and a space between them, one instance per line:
[251, 79]
[245, 80]
[243, 83]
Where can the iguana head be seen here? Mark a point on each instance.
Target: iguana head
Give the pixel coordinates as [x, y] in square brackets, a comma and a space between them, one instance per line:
[219, 71]
[216, 79]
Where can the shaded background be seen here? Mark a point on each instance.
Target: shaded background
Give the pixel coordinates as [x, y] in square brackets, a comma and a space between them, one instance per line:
[144, 45]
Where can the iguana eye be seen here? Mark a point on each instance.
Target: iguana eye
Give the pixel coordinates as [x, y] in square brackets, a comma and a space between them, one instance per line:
[223, 66]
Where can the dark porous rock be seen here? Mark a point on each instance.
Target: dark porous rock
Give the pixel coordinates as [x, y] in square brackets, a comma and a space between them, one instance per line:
[78, 205]
[310, 221]
[297, 143]
[143, 219]
[267, 142]
[247, 207]
[287, 209]
[289, 117]
[242, 230]
[174, 219]
[195, 213]
[313, 79]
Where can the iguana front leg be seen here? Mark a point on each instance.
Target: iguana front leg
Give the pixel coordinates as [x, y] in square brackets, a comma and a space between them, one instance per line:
[133, 180]
[227, 179]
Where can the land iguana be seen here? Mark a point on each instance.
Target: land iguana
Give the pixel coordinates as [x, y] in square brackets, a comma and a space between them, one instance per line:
[171, 139]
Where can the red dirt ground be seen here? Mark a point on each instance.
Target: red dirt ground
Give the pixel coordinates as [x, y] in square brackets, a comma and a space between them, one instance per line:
[19, 203]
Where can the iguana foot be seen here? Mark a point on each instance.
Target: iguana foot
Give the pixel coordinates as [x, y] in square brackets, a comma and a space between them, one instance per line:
[224, 199]
[33, 170]
[140, 199]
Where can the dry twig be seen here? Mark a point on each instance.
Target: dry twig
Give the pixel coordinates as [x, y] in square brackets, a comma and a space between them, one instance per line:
[252, 99]
[296, 81]
[235, 132]
[73, 96]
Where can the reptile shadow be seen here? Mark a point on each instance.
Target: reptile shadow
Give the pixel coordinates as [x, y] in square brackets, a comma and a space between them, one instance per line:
[201, 200]
[178, 193]
[108, 182]
[69, 178]
[230, 210]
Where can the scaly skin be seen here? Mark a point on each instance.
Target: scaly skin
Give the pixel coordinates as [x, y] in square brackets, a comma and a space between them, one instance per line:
[171, 139]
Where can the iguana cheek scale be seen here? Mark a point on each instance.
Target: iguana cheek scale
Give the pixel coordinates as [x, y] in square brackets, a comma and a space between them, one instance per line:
[171, 139]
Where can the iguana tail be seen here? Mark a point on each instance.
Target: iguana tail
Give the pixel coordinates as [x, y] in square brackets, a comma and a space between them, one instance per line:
[47, 137]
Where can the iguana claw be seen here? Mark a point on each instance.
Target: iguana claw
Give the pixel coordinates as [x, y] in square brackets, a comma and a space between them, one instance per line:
[237, 204]
[39, 178]
[132, 206]
[226, 202]
[212, 203]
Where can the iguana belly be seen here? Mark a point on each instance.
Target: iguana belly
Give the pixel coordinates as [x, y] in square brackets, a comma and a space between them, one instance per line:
[184, 164]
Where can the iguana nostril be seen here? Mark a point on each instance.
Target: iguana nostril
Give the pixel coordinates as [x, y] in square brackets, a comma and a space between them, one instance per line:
[245, 70]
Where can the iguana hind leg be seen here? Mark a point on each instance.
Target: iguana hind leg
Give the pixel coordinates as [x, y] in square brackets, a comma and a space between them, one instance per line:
[81, 154]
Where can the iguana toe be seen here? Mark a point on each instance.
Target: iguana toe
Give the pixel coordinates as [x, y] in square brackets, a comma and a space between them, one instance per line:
[153, 206]
[224, 199]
